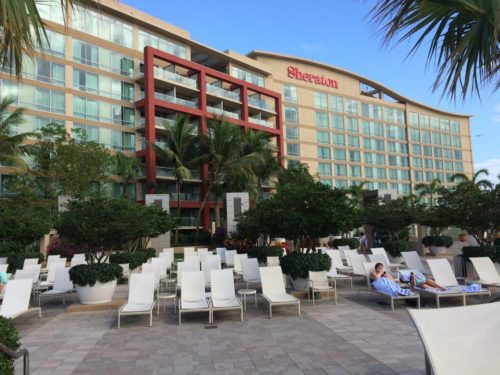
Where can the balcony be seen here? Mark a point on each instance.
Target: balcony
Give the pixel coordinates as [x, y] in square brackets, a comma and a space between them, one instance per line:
[255, 102]
[166, 75]
[167, 172]
[186, 197]
[221, 112]
[257, 121]
[173, 99]
[159, 123]
[187, 221]
[219, 91]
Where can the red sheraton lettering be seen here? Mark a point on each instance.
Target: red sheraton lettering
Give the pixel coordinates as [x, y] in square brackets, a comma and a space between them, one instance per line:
[295, 73]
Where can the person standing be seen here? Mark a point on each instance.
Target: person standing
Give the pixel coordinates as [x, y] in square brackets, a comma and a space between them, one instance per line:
[363, 242]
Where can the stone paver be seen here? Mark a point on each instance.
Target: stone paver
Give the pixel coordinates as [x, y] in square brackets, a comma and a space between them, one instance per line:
[358, 336]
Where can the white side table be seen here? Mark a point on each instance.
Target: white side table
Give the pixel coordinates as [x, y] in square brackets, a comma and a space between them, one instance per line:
[247, 292]
[164, 297]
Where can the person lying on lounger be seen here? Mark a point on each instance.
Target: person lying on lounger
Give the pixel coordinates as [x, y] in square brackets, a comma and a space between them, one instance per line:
[419, 280]
[383, 282]
[379, 272]
[3, 280]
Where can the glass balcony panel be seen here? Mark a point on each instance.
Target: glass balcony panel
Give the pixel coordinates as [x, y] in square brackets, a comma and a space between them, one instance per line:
[175, 77]
[222, 92]
[256, 102]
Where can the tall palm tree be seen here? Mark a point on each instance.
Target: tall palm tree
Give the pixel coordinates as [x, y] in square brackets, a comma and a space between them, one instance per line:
[181, 153]
[475, 180]
[23, 29]
[431, 190]
[223, 151]
[462, 38]
[128, 169]
[11, 144]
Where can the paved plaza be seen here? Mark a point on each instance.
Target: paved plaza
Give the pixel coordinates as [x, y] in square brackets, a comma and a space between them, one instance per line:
[360, 335]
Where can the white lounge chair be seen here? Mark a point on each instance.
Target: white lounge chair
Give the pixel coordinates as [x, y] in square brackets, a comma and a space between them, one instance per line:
[381, 251]
[273, 289]
[3, 260]
[379, 258]
[460, 340]
[210, 264]
[202, 253]
[193, 297]
[343, 253]
[222, 292]
[36, 268]
[75, 261]
[153, 268]
[318, 282]
[485, 269]
[272, 261]
[141, 300]
[444, 276]
[25, 274]
[413, 262]
[30, 261]
[336, 257]
[221, 251]
[230, 258]
[238, 270]
[356, 263]
[369, 268]
[16, 299]
[189, 251]
[4, 267]
[62, 285]
[333, 275]
[250, 271]
[185, 267]
[51, 273]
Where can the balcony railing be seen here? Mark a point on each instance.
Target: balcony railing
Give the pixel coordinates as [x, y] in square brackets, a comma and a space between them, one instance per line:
[261, 122]
[173, 99]
[187, 221]
[219, 91]
[221, 112]
[159, 121]
[175, 77]
[186, 197]
[260, 103]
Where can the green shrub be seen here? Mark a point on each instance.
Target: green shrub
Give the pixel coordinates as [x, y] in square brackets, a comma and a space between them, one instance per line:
[488, 251]
[438, 241]
[16, 260]
[89, 274]
[298, 264]
[119, 258]
[496, 241]
[134, 259]
[262, 252]
[353, 243]
[395, 248]
[10, 338]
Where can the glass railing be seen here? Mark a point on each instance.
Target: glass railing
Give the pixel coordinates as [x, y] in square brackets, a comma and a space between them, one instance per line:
[185, 197]
[261, 122]
[221, 112]
[187, 221]
[173, 99]
[175, 77]
[260, 103]
[219, 91]
[164, 171]
[107, 94]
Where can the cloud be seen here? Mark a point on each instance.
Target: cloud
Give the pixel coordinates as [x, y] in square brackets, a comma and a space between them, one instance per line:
[496, 114]
[493, 166]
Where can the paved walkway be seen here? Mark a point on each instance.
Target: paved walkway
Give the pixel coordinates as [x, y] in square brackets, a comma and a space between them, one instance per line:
[360, 335]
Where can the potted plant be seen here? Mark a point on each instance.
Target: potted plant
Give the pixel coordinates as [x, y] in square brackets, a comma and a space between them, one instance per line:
[101, 225]
[438, 244]
[395, 248]
[262, 252]
[9, 336]
[298, 264]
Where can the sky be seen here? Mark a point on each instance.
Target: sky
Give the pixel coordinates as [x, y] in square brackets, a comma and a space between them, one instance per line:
[338, 33]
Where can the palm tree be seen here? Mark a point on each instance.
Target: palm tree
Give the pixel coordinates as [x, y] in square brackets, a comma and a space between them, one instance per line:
[23, 29]
[11, 144]
[180, 152]
[462, 38]
[128, 169]
[431, 190]
[474, 181]
[223, 151]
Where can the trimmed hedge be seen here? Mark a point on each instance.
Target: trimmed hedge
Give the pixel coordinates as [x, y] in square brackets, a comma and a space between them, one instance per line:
[134, 259]
[262, 252]
[353, 243]
[488, 251]
[438, 241]
[10, 338]
[395, 248]
[16, 260]
[89, 274]
[298, 264]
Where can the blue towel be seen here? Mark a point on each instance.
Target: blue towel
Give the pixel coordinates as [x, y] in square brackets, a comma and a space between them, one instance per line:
[388, 286]
[472, 288]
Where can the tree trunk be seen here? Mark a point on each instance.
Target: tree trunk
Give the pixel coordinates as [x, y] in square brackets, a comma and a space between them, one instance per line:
[203, 204]
[178, 192]
[217, 213]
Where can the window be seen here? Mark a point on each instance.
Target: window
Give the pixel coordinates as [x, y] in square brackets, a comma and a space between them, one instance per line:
[339, 154]
[290, 93]
[323, 137]
[438, 152]
[340, 169]
[338, 122]
[371, 111]
[51, 10]
[368, 158]
[355, 171]
[38, 98]
[414, 119]
[368, 143]
[438, 164]
[427, 151]
[446, 139]
[336, 104]
[415, 135]
[455, 141]
[354, 156]
[351, 106]
[353, 141]
[322, 120]
[459, 167]
[447, 153]
[244, 75]
[379, 145]
[448, 165]
[403, 148]
[43, 70]
[320, 100]
[391, 131]
[103, 111]
[458, 155]
[393, 160]
[324, 169]
[341, 184]
[416, 149]
[424, 121]
[436, 138]
[338, 139]
[455, 126]
[352, 124]
[428, 163]
[324, 153]
[291, 114]
[82, 131]
[367, 129]
[419, 175]
[368, 172]
[394, 115]
[391, 146]
[417, 162]
[404, 161]
[177, 49]
[381, 173]
[380, 159]
[102, 85]
[292, 149]
[89, 54]
[444, 125]
[434, 123]
[57, 45]
[292, 132]
[326, 181]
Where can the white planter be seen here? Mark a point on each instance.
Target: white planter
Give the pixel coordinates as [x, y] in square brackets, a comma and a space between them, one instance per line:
[98, 293]
[438, 250]
[299, 284]
[395, 260]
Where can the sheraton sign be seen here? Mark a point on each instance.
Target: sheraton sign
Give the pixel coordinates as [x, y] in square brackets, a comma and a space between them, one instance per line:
[295, 73]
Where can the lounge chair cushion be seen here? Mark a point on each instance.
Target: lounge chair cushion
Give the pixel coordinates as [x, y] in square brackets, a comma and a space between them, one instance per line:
[223, 303]
[281, 298]
[194, 305]
[136, 307]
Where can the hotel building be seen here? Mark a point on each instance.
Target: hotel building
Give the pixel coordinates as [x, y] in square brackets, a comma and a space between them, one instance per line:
[119, 73]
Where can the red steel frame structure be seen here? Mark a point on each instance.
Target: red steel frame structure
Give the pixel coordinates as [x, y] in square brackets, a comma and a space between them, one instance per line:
[149, 103]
